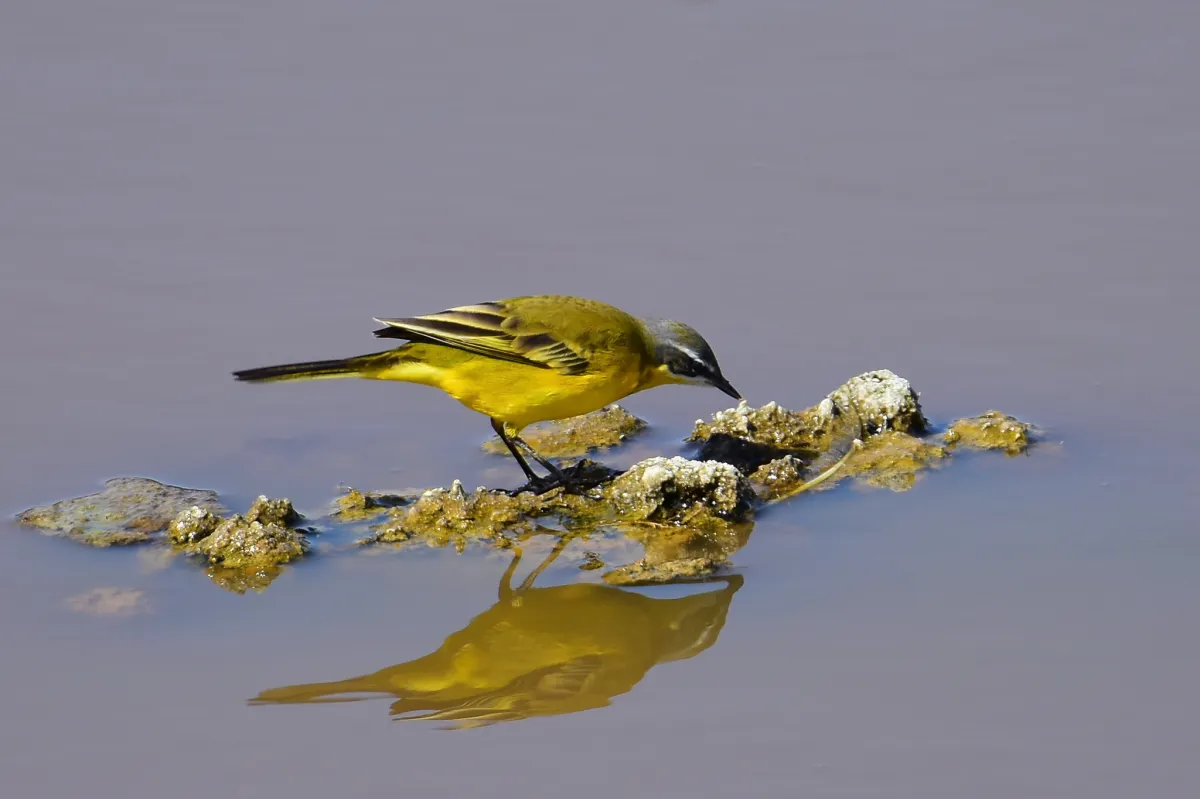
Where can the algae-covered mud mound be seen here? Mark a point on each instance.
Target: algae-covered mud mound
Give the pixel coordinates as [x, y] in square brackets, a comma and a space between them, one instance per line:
[130, 510]
[665, 519]
[992, 430]
[242, 551]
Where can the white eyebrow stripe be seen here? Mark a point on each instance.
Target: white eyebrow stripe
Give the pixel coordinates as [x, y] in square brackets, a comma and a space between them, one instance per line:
[692, 355]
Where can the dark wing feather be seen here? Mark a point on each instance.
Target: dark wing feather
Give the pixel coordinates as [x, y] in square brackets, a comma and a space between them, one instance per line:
[490, 329]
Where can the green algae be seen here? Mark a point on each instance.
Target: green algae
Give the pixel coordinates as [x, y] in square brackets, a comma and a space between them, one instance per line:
[130, 510]
[990, 431]
[577, 436]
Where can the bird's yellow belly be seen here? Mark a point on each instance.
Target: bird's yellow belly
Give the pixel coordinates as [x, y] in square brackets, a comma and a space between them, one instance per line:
[510, 392]
[521, 395]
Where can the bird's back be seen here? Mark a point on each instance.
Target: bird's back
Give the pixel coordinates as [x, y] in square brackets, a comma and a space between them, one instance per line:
[601, 333]
[607, 351]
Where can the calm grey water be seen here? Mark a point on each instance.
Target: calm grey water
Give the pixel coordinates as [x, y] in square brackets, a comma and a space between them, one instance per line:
[997, 201]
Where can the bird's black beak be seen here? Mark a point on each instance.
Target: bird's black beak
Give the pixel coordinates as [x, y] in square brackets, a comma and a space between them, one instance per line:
[724, 385]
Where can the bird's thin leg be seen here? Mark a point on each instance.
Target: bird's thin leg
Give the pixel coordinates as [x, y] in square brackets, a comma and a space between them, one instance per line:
[498, 426]
[555, 472]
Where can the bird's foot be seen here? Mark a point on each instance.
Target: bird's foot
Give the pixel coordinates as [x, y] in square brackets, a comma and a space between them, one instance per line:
[538, 485]
[575, 479]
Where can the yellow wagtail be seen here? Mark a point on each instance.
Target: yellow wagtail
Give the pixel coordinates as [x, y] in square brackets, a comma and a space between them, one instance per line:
[526, 360]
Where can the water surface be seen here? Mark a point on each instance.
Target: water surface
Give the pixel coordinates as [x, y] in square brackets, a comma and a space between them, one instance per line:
[995, 201]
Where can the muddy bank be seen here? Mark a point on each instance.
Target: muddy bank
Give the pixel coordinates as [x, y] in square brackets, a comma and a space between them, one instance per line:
[665, 519]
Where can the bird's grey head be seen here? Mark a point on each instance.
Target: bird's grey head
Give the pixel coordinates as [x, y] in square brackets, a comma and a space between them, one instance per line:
[686, 355]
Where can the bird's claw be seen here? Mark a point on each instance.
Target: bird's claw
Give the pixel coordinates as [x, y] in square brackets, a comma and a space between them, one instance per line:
[575, 479]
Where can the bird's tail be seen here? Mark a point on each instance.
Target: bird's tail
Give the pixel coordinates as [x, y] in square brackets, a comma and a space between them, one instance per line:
[360, 366]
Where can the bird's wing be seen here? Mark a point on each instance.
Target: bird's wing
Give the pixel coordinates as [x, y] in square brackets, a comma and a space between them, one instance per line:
[493, 329]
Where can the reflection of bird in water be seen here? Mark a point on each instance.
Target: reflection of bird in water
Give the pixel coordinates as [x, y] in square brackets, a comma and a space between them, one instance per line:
[538, 652]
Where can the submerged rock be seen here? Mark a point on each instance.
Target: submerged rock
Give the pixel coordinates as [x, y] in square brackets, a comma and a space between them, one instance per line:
[577, 436]
[110, 602]
[130, 510]
[991, 430]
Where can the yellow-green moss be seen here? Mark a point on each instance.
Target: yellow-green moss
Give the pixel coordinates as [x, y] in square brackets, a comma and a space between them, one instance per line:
[893, 460]
[991, 430]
